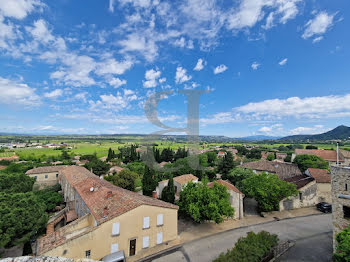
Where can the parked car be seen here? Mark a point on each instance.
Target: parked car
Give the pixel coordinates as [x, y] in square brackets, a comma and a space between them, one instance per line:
[324, 207]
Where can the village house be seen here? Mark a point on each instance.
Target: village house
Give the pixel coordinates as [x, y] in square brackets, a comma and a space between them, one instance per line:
[103, 219]
[340, 200]
[327, 155]
[307, 195]
[115, 170]
[45, 175]
[281, 156]
[236, 197]
[323, 182]
[283, 170]
[221, 154]
[179, 183]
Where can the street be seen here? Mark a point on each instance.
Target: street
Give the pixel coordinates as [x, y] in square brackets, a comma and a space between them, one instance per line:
[313, 236]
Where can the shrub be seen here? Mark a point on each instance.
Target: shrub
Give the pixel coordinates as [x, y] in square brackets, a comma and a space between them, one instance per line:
[342, 253]
[252, 248]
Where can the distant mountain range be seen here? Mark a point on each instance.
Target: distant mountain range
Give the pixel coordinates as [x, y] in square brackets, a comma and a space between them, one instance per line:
[257, 138]
[339, 133]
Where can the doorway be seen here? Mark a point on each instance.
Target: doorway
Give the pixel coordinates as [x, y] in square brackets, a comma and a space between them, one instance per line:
[132, 249]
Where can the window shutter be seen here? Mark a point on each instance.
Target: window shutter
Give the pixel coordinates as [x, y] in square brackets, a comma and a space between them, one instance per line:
[115, 230]
[114, 248]
[145, 242]
[159, 219]
[160, 238]
[146, 222]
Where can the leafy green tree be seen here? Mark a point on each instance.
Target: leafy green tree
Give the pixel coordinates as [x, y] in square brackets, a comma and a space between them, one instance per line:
[270, 157]
[342, 253]
[149, 181]
[202, 203]
[22, 215]
[50, 197]
[168, 193]
[306, 161]
[65, 155]
[98, 167]
[137, 167]
[267, 189]
[236, 175]
[212, 157]
[226, 164]
[252, 248]
[311, 147]
[111, 155]
[125, 179]
[254, 153]
[16, 183]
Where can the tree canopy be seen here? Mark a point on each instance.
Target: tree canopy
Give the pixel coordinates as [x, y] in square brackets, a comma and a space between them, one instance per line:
[306, 161]
[267, 189]
[16, 183]
[168, 193]
[202, 203]
[226, 164]
[237, 174]
[342, 253]
[149, 181]
[125, 179]
[98, 167]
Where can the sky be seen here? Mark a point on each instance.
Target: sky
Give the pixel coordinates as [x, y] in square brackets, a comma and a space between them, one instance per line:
[269, 67]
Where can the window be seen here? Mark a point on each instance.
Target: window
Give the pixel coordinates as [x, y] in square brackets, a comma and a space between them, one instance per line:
[145, 222]
[35, 177]
[346, 211]
[160, 220]
[145, 242]
[114, 248]
[159, 238]
[301, 196]
[115, 229]
[346, 187]
[56, 175]
[46, 176]
[87, 253]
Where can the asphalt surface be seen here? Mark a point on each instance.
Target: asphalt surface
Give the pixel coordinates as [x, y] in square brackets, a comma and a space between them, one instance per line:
[313, 236]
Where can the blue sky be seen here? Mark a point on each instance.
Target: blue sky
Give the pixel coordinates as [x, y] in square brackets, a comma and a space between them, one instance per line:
[273, 67]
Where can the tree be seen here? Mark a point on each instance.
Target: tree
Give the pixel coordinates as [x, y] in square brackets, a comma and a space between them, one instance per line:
[149, 182]
[212, 156]
[98, 167]
[226, 164]
[16, 183]
[270, 157]
[311, 147]
[168, 193]
[125, 179]
[236, 175]
[306, 161]
[111, 155]
[65, 155]
[202, 203]
[22, 215]
[267, 189]
[342, 253]
[137, 167]
[254, 154]
[50, 197]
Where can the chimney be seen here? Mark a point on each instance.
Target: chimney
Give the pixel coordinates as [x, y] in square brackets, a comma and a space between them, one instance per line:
[105, 212]
[154, 194]
[109, 195]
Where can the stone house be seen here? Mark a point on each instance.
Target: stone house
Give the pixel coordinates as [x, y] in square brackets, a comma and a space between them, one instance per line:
[221, 154]
[307, 195]
[236, 197]
[179, 183]
[45, 176]
[340, 199]
[106, 219]
[323, 182]
[281, 156]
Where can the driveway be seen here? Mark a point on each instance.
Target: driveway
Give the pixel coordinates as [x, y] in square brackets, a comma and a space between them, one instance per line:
[313, 236]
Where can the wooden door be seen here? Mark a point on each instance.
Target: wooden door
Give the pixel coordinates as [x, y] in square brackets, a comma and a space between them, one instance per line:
[132, 250]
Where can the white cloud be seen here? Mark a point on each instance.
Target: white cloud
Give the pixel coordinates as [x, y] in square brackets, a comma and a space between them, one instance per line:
[114, 103]
[318, 25]
[200, 65]
[283, 62]
[16, 93]
[220, 69]
[151, 78]
[19, 9]
[112, 66]
[181, 42]
[54, 94]
[255, 65]
[81, 96]
[301, 130]
[40, 31]
[181, 75]
[271, 130]
[317, 39]
[117, 82]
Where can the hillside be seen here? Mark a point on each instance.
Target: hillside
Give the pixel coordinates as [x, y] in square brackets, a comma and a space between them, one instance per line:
[339, 133]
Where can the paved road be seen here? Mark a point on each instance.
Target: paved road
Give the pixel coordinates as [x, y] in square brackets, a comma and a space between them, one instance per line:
[313, 236]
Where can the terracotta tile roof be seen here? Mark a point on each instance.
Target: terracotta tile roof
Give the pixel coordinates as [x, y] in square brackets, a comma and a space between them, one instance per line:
[283, 170]
[45, 169]
[184, 179]
[300, 181]
[2, 167]
[320, 175]
[328, 155]
[227, 184]
[104, 200]
[344, 153]
[71, 215]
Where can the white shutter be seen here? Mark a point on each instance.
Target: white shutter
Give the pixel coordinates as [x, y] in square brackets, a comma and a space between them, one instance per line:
[146, 222]
[159, 219]
[145, 242]
[114, 248]
[160, 238]
[115, 230]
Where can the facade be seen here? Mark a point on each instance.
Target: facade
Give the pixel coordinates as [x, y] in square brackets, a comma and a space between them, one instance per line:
[236, 197]
[323, 182]
[45, 176]
[281, 156]
[307, 195]
[105, 219]
[179, 183]
[340, 199]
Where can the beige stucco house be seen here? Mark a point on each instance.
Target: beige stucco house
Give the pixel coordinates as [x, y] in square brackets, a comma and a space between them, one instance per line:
[236, 197]
[323, 182]
[108, 219]
[45, 176]
[179, 183]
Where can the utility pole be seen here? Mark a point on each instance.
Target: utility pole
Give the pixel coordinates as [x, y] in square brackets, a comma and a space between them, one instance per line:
[337, 154]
